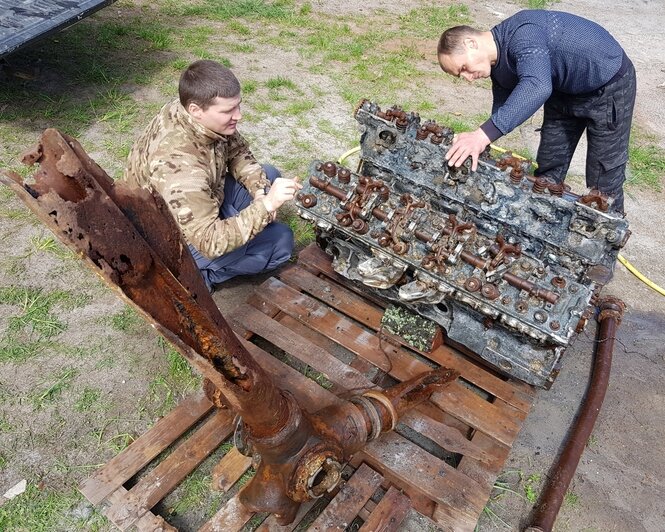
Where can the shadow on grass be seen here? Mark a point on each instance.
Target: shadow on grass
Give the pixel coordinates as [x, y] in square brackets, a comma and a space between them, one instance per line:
[83, 74]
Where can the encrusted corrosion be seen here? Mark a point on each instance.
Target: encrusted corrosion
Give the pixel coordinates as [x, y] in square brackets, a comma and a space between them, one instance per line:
[131, 240]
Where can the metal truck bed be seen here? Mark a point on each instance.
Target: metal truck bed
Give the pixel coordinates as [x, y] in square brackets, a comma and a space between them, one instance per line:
[25, 21]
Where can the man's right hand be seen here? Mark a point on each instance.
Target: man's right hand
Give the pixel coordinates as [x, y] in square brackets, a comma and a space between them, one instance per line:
[281, 191]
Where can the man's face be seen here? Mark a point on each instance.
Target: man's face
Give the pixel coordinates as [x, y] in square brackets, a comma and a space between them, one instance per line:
[471, 64]
[222, 116]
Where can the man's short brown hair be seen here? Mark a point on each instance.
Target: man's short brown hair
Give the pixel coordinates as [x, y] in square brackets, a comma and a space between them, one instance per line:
[205, 80]
[452, 40]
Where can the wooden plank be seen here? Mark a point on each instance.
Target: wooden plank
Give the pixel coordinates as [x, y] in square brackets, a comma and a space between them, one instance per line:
[229, 469]
[141, 452]
[347, 503]
[148, 522]
[271, 524]
[359, 309]
[388, 514]
[159, 482]
[404, 463]
[347, 378]
[456, 399]
[301, 348]
[230, 518]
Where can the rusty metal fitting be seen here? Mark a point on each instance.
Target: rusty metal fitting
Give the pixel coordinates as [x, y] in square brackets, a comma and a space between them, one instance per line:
[384, 193]
[422, 133]
[344, 219]
[308, 200]
[473, 284]
[428, 262]
[387, 404]
[596, 200]
[329, 168]
[360, 226]
[490, 291]
[317, 473]
[611, 307]
[556, 189]
[555, 325]
[558, 282]
[436, 139]
[521, 306]
[401, 124]
[366, 406]
[401, 248]
[384, 240]
[540, 185]
[344, 175]
[540, 316]
[516, 175]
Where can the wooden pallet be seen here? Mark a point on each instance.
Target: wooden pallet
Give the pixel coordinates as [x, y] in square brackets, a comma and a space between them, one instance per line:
[442, 460]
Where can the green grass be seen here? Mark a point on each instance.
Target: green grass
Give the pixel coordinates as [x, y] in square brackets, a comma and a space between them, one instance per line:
[50, 245]
[87, 400]
[60, 382]
[194, 493]
[646, 165]
[429, 22]
[36, 315]
[280, 83]
[530, 490]
[571, 499]
[46, 510]
[127, 320]
[539, 4]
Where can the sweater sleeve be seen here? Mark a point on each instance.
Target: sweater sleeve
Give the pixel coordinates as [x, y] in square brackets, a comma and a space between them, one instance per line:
[186, 188]
[529, 51]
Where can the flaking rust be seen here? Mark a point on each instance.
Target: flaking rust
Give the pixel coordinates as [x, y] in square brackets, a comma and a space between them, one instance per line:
[507, 263]
[130, 239]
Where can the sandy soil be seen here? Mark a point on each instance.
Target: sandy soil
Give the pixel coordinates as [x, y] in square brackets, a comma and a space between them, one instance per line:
[619, 484]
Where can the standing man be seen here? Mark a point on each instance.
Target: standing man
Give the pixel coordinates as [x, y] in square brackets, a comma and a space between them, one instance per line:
[573, 67]
[223, 200]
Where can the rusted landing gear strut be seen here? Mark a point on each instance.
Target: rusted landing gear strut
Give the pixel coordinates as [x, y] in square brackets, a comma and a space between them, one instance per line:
[131, 240]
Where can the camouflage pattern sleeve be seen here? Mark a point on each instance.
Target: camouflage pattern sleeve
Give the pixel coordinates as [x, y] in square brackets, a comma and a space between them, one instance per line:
[243, 165]
[187, 191]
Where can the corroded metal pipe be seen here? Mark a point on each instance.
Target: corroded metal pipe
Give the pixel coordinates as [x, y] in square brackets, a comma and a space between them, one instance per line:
[611, 312]
[130, 239]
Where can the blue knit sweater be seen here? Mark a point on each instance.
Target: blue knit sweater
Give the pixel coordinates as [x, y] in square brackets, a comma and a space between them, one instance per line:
[544, 51]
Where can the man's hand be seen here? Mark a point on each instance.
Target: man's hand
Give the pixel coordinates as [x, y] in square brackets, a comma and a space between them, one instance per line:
[281, 191]
[465, 145]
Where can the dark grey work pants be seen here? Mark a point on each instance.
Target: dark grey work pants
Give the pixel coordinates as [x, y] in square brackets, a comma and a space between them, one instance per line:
[606, 114]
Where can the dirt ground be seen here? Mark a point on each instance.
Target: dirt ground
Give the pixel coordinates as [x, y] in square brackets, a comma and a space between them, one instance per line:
[619, 484]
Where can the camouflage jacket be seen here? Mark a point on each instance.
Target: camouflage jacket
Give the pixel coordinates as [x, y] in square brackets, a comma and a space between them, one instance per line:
[187, 163]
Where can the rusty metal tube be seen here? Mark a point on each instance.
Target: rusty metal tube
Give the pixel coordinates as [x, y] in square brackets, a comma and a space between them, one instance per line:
[611, 311]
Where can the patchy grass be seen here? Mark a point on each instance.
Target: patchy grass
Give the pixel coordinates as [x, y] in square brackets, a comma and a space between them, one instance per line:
[35, 304]
[127, 320]
[45, 510]
[60, 382]
[646, 163]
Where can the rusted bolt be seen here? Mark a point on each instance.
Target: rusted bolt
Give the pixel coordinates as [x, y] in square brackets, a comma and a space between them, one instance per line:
[360, 226]
[344, 175]
[521, 306]
[488, 322]
[556, 189]
[555, 325]
[401, 247]
[540, 185]
[526, 265]
[436, 139]
[329, 168]
[384, 193]
[490, 291]
[540, 316]
[422, 133]
[307, 200]
[401, 124]
[384, 240]
[559, 282]
[516, 175]
[473, 284]
[506, 300]
[344, 219]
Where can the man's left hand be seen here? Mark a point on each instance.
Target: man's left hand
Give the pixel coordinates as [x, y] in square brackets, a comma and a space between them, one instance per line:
[467, 145]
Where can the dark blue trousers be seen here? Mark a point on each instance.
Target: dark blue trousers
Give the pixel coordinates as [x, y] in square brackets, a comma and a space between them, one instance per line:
[266, 251]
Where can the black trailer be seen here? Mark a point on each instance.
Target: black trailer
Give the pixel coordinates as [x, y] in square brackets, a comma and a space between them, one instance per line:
[23, 22]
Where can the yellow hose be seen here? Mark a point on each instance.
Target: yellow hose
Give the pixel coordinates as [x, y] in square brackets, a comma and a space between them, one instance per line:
[641, 277]
[621, 258]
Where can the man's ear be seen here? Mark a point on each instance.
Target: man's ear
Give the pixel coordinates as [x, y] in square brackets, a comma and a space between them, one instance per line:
[194, 109]
[470, 43]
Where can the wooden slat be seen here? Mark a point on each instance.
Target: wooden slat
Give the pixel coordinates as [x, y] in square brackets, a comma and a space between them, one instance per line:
[347, 503]
[388, 514]
[148, 522]
[229, 469]
[345, 377]
[141, 452]
[404, 463]
[230, 518]
[456, 399]
[159, 482]
[364, 312]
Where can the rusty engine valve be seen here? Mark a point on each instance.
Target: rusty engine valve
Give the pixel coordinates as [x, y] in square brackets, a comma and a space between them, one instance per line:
[130, 239]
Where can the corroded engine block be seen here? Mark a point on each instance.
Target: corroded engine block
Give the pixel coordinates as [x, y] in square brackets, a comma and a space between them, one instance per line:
[505, 262]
